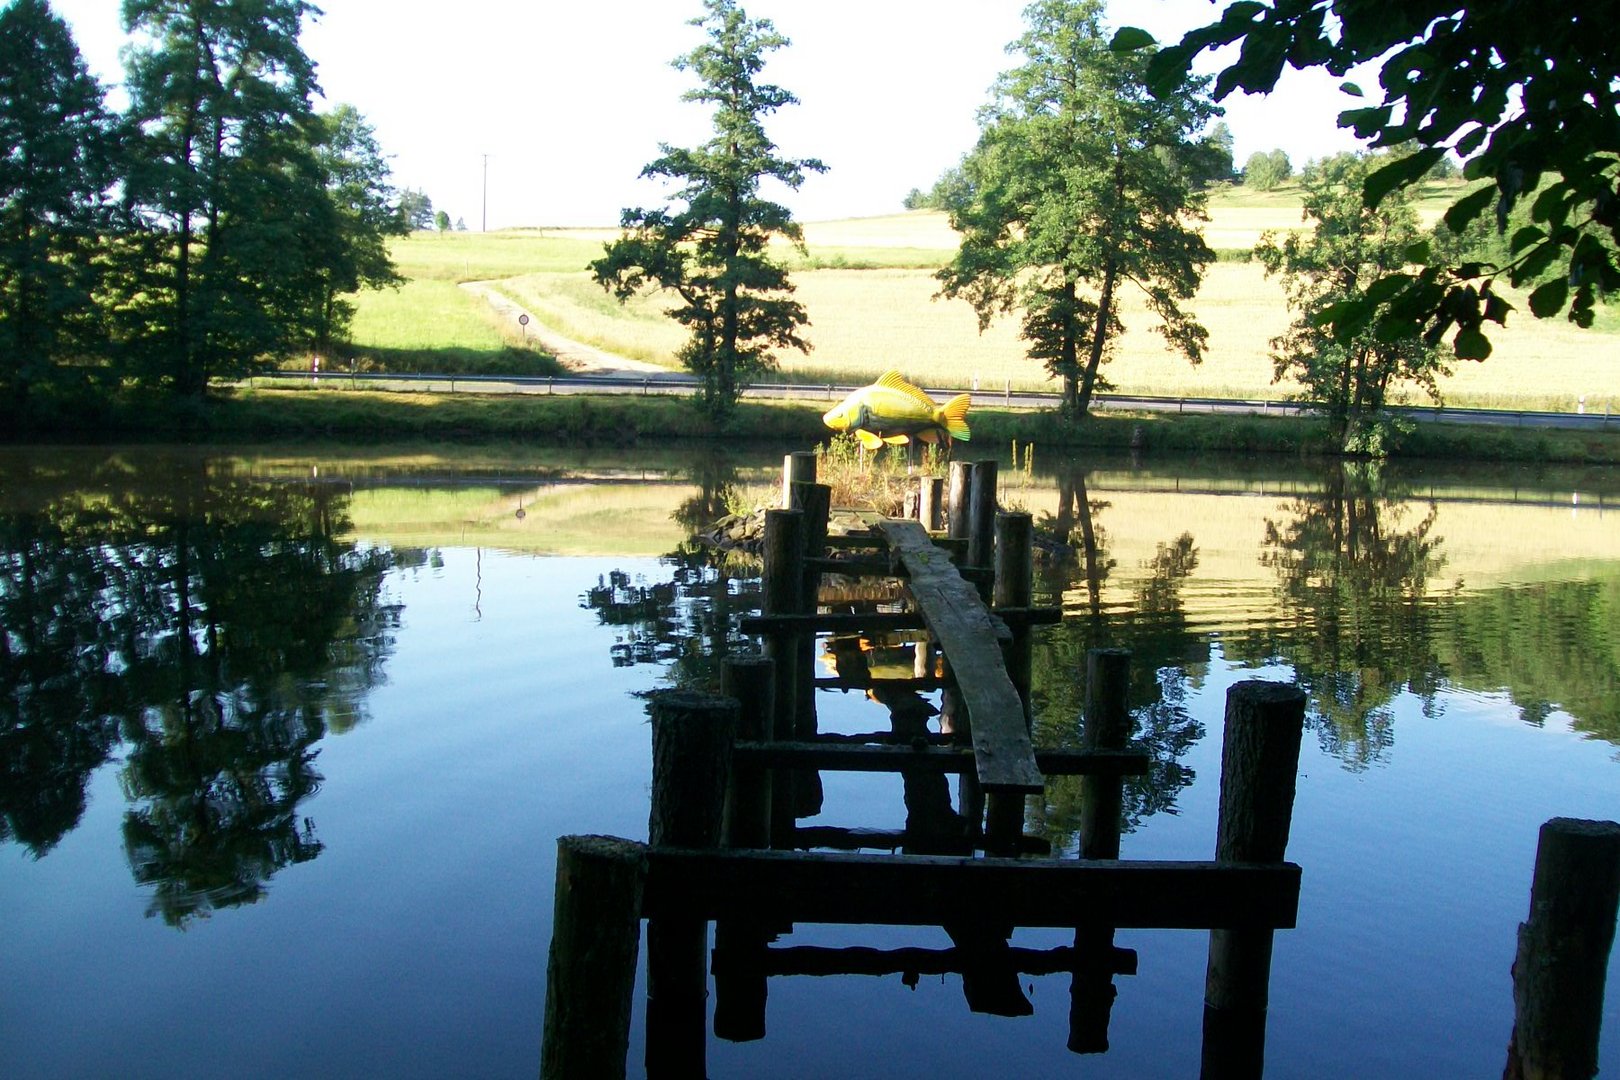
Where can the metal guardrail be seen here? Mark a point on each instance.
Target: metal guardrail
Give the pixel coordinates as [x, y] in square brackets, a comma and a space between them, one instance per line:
[677, 383]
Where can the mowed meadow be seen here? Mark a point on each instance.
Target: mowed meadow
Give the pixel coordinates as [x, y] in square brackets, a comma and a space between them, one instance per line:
[869, 289]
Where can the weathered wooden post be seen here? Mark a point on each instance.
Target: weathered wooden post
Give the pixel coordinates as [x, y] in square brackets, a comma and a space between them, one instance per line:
[1015, 588]
[953, 718]
[815, 502]
[798, 467]
[982, 522]
[1102, 798]
[959, 497]
[591, 966]
[1259, 767]
[782, 585]
[692, 739]
[1563, 955]
[1013, 562]
[931, 502]
[1107, 727]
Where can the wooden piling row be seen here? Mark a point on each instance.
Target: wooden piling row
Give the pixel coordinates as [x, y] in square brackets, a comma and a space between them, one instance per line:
[731, 775]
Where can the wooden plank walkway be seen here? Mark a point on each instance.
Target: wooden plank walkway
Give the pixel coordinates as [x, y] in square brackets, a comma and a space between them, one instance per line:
[959, 620]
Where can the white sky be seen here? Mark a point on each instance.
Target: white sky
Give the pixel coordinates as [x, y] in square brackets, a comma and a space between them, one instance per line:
[570, 98]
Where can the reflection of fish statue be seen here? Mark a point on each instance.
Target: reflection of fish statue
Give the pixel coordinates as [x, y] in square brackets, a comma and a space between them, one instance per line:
[891, 411]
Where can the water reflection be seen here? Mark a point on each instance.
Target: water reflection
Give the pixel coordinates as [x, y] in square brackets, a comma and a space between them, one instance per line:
[212, 626]
[1359, 596]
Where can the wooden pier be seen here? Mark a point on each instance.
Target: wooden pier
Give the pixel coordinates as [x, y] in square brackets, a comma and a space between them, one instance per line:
[734, 775]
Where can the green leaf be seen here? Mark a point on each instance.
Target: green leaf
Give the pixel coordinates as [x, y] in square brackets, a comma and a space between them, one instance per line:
[1167, 69]
[1468, 208]
[1549, 299]
[1524, 237]
[1496, 309]
[1386, 287]
[1130, 39]
[1417, 253]
[1352, 89]
[1366, 122]
[1471, 344]
[1398, 173]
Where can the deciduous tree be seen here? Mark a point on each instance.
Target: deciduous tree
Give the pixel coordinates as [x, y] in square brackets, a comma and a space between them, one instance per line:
[1527, 94]
[712, 252]
[1079, 187]
[57, 169]
[1341, 260]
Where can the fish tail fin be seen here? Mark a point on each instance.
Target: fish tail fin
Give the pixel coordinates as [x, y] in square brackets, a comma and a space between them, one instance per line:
[953, 417]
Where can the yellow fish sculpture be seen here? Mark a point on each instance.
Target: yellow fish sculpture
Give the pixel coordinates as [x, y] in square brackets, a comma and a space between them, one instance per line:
[892, 411]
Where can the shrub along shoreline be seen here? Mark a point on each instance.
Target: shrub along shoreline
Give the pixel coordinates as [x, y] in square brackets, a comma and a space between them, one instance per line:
[617, 420]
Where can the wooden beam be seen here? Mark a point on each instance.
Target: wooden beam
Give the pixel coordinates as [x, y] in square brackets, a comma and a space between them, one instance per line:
[860, 960]
[880, 622]
[847, 757]
[921, 890]
[831, 836]
[959, 620]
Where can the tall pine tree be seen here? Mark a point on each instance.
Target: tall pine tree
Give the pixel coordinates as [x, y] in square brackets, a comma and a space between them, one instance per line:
[225, 178]
[56, 173]
[736, 301]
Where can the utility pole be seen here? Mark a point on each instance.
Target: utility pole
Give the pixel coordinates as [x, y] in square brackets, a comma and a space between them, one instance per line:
[484, 226]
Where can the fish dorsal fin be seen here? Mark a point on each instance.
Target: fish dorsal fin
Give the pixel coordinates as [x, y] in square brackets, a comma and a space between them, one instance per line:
[893, 380]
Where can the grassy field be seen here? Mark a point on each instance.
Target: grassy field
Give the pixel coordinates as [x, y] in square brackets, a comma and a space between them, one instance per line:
[868, 287]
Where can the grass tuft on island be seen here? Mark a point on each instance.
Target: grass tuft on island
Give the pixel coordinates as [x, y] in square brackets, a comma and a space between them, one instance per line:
[616, 420]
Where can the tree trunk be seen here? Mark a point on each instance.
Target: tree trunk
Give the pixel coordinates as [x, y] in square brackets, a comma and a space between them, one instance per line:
[1099, 339]
[1070, 360]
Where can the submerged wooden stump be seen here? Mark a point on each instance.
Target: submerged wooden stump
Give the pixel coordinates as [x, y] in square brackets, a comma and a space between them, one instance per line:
[1563, 956]
[1259, 767]
[591, 966]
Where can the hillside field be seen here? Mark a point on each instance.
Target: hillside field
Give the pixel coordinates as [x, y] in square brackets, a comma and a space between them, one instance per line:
[868, 287]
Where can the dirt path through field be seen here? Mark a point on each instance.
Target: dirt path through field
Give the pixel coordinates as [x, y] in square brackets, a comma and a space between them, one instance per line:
[579, 358]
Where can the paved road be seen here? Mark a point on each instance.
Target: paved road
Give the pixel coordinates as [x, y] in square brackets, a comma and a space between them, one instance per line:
[600, 372]
[668, 382]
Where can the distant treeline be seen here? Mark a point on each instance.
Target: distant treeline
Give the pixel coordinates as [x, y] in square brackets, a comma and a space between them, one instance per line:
[213, 226]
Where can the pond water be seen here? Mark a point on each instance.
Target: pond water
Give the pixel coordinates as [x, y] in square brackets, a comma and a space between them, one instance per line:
[287, 738]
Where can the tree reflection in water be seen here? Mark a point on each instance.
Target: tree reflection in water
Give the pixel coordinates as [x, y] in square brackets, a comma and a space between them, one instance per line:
[212, 624]
[1353, 567]
[690, 620]
[1168, 658]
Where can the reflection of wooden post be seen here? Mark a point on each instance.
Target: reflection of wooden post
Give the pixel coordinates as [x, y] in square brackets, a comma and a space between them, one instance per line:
[1563, 957]
[1015, 570]
[739, 989]
[782, 585]
[591, 967]
[953, 718]
[1102, 799]
[692, 737]
[751, 682]
[797, 468]
[1259, 766]
[930, 502]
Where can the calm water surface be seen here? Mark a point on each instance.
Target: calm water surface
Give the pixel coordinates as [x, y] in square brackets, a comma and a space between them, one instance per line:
[287, 738]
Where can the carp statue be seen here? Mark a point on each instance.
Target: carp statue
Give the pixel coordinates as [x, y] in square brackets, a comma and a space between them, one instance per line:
[893, 411]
